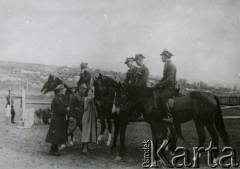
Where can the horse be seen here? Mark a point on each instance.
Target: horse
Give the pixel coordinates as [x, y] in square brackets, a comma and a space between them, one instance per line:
[104, 98]
[105, 84]
[50, 85]
[201, 107]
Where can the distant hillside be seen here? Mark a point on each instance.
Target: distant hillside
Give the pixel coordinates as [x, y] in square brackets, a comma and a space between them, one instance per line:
[35, 75]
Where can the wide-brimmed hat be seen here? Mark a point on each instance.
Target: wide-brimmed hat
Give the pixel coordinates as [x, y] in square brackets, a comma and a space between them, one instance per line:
[137, 56]
[166, 53]
[84, 65]
[131, 59]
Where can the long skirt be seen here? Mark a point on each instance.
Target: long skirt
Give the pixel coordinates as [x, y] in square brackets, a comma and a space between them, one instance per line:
[89, 125]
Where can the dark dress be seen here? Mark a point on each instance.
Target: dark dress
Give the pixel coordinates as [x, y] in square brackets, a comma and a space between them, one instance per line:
[57, 129]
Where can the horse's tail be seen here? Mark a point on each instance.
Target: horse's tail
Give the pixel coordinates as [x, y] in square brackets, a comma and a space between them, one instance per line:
[179, 132]
[220, 124]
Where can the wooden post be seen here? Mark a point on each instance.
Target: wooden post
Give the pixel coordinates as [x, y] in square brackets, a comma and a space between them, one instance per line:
[23, 102]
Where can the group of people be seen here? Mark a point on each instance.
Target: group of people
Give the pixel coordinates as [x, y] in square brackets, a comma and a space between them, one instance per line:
[82, 108]
[81, 112]
[164, 89]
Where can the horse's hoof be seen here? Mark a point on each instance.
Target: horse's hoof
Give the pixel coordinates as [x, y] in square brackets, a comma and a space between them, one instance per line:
[108, 143]
[70, 144]
[62, 146]
[118, 158]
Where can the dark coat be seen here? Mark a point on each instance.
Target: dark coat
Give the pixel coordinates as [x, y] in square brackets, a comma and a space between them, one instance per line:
[142, 76]
[130, 76]
[76, 106]
[169, 76]
[85, 77]
[57, 129]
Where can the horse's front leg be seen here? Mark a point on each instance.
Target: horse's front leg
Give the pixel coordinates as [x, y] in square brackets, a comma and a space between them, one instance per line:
[121, 150]
[109, 122]
[103, 128]
[116, 131]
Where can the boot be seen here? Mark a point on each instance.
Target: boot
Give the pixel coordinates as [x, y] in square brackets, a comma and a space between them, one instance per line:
[169, 119]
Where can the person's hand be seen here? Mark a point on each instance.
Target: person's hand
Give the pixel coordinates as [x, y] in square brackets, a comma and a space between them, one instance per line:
[68, 109]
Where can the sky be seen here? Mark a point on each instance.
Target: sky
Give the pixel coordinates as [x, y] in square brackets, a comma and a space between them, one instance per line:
[202, 35]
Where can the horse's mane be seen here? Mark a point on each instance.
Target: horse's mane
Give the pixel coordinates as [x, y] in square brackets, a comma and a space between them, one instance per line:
[110, 80]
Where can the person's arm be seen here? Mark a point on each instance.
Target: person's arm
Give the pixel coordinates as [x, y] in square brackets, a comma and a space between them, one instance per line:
[145, 74]
[170, 76]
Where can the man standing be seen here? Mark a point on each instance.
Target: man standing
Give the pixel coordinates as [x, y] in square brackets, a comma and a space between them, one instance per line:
[10, 103]
[130, 76]
[168, 85]
[85, 76]
[56, 134]
[142, 72]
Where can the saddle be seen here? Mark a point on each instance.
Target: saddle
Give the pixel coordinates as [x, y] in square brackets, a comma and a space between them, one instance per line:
[179, 102]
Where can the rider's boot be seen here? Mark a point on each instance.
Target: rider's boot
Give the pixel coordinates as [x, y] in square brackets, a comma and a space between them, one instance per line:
[169, 118]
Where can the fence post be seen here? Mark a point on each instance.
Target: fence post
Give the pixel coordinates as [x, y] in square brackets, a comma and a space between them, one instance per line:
[23, 102]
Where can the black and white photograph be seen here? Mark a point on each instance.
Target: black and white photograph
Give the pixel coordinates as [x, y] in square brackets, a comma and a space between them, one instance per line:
[129, 84]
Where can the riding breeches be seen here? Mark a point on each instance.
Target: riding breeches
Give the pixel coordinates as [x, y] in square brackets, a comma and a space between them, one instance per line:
[164, 95]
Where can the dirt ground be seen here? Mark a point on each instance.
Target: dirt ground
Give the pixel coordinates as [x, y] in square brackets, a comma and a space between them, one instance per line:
[27, 149]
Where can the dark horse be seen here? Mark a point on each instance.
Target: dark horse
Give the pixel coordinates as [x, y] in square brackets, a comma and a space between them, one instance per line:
[51, 84]
[104, 84]
[104, 97]
[203, 108]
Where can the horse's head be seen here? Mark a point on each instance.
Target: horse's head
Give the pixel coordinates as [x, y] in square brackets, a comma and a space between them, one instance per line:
[51, 84]
[104, 84]
[48, 84]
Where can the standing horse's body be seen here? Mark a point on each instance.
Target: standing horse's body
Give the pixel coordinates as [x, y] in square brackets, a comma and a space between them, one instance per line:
[104, 98]
[203, 108]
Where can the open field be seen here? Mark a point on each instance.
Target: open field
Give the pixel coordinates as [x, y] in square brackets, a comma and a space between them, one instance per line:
[27, 149]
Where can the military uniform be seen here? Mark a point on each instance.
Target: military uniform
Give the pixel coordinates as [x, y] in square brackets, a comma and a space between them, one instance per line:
[77, 108]
[168, 85]
[57, 130]
[85, 78]
[169, 77]
[130, 76]
[141, 75]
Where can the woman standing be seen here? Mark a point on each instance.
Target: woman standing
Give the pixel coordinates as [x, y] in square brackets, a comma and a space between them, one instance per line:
[56, 133]
[89, 120]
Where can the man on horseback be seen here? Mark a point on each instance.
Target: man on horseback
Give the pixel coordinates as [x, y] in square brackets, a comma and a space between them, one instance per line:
[85, 76]
[142, 72]
[130, 76]
[167, 86]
